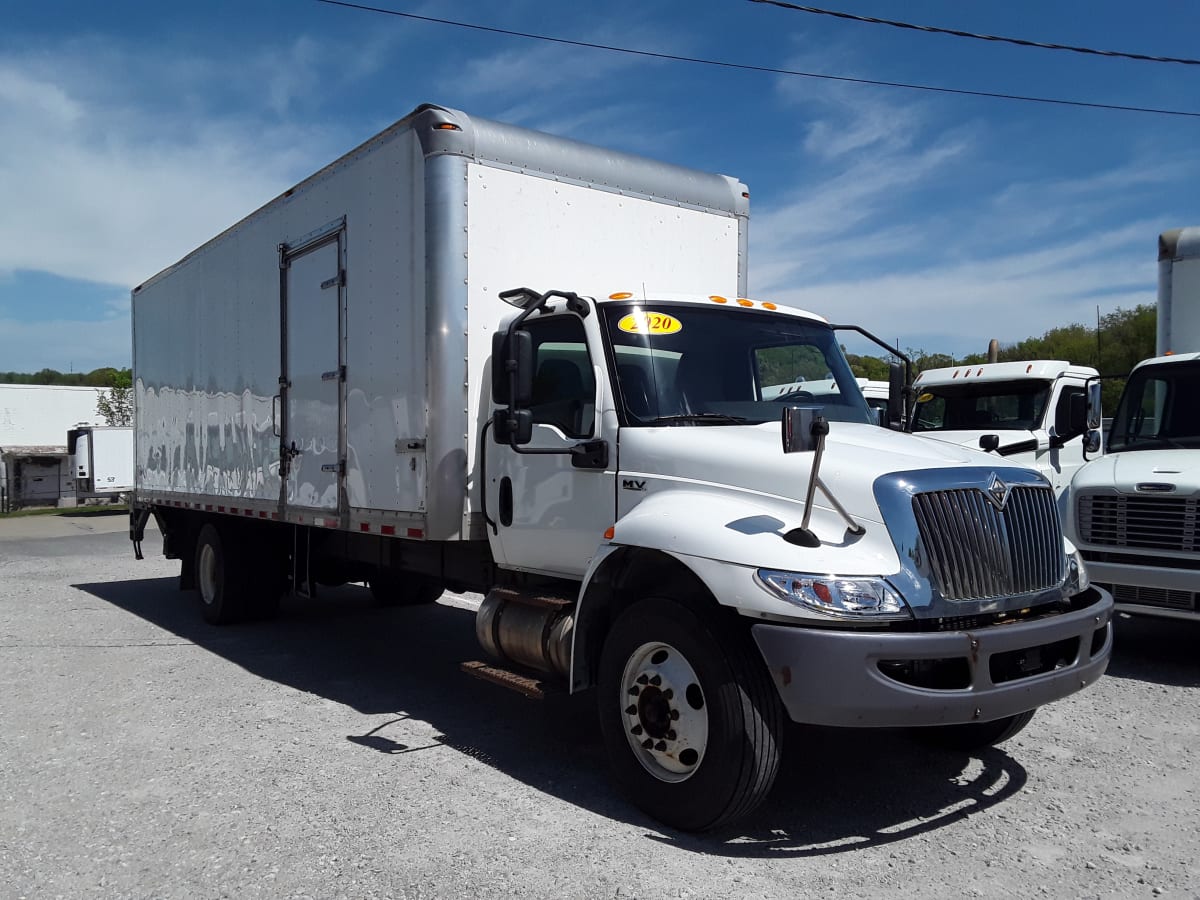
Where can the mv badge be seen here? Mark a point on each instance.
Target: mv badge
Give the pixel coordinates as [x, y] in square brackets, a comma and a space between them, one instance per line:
[998, 491]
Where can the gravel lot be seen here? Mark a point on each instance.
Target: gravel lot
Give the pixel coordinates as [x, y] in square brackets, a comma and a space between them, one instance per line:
[339, 752]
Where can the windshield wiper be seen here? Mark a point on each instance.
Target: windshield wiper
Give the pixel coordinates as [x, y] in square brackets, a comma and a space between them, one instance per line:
[705, 418]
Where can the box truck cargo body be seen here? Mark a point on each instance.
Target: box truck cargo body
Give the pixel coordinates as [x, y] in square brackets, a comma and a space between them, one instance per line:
[474, 356]
[101, 460]
[1133, 513]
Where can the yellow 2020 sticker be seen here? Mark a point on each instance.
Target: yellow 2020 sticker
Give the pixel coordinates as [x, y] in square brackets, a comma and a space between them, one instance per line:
[644, 322]
[925, 397]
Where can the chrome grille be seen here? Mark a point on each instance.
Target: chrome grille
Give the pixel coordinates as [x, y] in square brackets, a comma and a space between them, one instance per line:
[975, 551]
[1123, 520]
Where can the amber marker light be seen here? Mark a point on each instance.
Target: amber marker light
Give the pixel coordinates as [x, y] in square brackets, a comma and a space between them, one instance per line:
[715, 299]
[770, 306]
[446, 126]
[742, 301]
[609, 532]
[622, 295]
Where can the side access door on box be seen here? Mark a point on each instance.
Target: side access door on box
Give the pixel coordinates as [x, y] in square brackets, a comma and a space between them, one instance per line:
[312, 434]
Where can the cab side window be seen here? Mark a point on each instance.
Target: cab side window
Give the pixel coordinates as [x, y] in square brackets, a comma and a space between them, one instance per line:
[564, 383]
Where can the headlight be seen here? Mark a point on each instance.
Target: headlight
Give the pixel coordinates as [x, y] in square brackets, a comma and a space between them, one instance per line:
[1077, 576]
[843, 598]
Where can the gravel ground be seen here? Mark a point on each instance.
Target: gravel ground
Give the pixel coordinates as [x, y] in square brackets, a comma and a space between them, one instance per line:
[339, 752]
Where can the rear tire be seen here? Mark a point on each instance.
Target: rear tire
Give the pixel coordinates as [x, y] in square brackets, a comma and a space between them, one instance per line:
[220, 572]
[975, 735]
[692, 724]
[388, 589]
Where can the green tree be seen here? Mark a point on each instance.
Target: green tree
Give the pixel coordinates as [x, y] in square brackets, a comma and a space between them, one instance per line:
[116, 404]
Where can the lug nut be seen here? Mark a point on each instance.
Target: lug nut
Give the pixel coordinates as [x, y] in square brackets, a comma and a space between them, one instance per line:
[634, 691]
[668, 694]
[643, 679]
[671, 735]
[636, 729]
[674, 714]
[631, 710]
[647, 744]
[656, 680]
[660, 746]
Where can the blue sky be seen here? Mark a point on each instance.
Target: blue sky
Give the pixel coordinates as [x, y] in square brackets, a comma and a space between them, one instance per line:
[132, 132]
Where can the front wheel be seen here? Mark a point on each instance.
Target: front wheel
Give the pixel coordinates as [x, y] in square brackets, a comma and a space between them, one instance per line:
[691, 722]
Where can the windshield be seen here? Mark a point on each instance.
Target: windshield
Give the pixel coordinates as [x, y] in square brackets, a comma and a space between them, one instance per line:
[1158, 409]
[677, 364]
[975, 405]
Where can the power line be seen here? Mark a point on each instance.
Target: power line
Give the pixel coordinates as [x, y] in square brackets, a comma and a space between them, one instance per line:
[1020, 42]
[766, 69]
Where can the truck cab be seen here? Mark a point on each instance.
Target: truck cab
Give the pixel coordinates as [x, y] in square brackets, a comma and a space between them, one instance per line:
[1031, 413]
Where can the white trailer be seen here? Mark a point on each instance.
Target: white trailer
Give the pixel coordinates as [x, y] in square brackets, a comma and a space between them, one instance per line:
[101, 460]
[1033, 413]
[1134, 512]
[333, 390]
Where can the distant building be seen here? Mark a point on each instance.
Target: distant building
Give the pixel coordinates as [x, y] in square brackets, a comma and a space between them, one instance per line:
[34, 420]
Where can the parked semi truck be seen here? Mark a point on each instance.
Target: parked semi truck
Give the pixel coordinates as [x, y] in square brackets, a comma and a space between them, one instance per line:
[1034, 413]
[1133, 512]
[101, 460]
[470, 356]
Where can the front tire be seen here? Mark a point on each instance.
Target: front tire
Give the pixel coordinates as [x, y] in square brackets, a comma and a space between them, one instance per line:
[691, 722]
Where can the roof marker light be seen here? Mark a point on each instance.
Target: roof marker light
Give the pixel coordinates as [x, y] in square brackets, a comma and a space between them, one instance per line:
[770, 306]
[621, 295]
[715, 299]
[742, 301]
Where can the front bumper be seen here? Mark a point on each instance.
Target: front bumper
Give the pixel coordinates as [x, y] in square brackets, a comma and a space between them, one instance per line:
[827, 677]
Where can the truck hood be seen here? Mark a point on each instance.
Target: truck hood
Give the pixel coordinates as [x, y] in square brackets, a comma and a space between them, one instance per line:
[970, 437]
[751, 459]
[1125, 471]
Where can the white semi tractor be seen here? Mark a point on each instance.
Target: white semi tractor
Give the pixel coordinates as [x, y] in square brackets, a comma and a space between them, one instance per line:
[1134, 512]
[1033, 413]
[472, 356]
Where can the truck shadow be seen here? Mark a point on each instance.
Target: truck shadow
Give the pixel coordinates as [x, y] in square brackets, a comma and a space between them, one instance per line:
[1162, 651]
[836, 793]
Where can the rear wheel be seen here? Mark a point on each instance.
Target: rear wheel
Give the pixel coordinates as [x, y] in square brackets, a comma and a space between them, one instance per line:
[975, 735]
[219, 577]
[388, 589]
[691, 722]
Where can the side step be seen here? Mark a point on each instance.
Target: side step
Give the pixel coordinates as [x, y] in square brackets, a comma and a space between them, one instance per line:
[527, 686]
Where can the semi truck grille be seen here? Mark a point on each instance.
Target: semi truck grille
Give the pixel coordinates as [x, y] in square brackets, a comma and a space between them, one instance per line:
[1155, 523]
[1147, 596]
[976, 552]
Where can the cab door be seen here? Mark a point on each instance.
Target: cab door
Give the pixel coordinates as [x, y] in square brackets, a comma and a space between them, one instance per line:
[550, 514]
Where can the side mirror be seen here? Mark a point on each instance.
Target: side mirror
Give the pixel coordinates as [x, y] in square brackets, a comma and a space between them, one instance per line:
[512, 426]
[1070, 418]
[896, 413]
[1092, 441]
[512, 357]
[797, 427]
[1094, 408]
[989, 442]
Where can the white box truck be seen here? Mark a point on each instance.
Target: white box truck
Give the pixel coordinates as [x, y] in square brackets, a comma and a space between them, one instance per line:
[1134, 512]
[101, 460]
[472, 356]
[1034, 413]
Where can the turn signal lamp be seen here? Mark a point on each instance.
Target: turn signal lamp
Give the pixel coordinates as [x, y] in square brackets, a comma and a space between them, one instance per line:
[609, 532]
